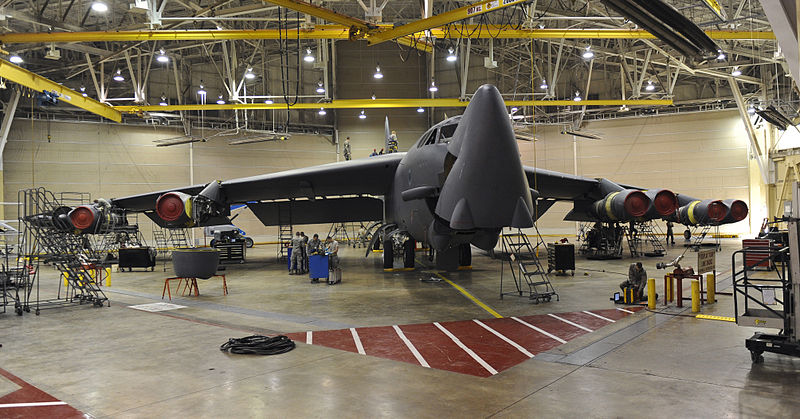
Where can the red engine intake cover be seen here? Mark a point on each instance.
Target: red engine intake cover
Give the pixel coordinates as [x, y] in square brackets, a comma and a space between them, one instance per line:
[717, 210]
[169, 206]
[82, 217]
[739, 210]
[637, 203]
[666, 203]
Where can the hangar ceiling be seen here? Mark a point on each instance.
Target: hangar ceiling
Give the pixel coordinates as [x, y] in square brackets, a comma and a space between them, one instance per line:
[531, 62]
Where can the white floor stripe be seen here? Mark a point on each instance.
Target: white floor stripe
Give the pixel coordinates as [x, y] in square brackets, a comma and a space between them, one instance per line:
[599, 316]
[3, 406]
[411, 347]
[570, 323]
[627, 311]
[554, 337]
[509, 341]
[469, 351]
[309, 339]
[357, 339]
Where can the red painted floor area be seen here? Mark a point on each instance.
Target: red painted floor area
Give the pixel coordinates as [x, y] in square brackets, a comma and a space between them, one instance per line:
[475, 347]
[30, 402]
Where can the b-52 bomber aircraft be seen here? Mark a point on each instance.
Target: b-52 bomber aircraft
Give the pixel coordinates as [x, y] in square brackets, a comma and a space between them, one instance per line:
[459, 185]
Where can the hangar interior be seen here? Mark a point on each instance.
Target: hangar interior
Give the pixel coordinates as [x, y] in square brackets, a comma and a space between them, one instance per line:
[110, 99]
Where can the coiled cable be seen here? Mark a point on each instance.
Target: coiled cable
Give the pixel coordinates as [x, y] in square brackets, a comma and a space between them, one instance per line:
[258, 345]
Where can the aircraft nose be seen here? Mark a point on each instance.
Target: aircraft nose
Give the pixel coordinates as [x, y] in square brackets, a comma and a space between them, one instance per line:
[486, 187]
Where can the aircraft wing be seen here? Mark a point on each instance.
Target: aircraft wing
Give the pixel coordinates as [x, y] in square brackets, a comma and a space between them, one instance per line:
[561, 186]
[318, 193]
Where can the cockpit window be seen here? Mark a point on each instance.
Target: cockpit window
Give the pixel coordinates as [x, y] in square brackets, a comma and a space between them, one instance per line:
[429, 138]
[446, 133]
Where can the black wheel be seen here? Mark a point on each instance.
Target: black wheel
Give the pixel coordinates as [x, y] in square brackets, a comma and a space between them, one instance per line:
[19, 311]
[547, 299]
[408, 253]
[248, 242]
[756, 357]
[464, 255]
[535, 300]
[37, 311]
[388, 253]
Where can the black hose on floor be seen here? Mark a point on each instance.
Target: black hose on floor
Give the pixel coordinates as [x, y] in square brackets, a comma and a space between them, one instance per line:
[258, 345]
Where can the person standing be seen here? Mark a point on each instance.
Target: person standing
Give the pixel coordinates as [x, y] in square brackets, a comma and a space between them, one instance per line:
[393, 142]
[332, 249]
[346, 150]
[304, 245]
[670, 234]
[297, 255]
[374, 153]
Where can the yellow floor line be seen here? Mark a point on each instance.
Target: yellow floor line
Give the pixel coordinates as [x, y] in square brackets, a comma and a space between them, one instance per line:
[471, 297]
[720, 318]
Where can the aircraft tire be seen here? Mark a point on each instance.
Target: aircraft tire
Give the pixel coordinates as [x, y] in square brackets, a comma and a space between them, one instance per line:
[388, 254]
[408, 253]
[464, 255]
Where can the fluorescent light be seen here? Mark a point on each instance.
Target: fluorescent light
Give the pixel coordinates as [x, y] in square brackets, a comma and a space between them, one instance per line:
[362, 115]
[751, 109]
[220, 101]
[16, 59]
[577, 97]
[543, 86]
[99, 7]
[433, 87]
[736, 72]
[119, 76]
[373, 96]
[650, 87]
[451, 55]
[322, 111]
[378, 74]
[588, 54]
[163, 101]
[420, 110]
[309, 58]
[514, 109]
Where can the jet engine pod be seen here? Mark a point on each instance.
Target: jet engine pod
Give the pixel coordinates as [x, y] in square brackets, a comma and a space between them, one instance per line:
[737, 211]
[622, 205]
[175, 209]
[664, 203]
[705, 212]
[85, 218]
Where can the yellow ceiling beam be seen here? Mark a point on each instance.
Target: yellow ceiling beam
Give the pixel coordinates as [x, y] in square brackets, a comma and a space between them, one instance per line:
[322, 13]
[341, 32]
[441, 19]
[385, 103]
[38, 83]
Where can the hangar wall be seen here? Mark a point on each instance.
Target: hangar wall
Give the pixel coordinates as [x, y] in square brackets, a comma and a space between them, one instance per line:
[703, 155]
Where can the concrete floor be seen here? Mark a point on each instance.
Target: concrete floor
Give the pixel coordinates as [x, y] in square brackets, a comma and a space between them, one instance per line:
[120, 362]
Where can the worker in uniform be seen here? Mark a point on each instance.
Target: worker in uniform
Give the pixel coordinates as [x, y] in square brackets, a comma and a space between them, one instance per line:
[637, 278]
[332, 249]
[304, 244]
[346, 150]
[314, 246]
[380, 153]
[297, 255]
[393, 142]
[670, 234]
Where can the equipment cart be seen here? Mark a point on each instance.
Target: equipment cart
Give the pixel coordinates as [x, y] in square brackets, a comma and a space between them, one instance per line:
[561, 257]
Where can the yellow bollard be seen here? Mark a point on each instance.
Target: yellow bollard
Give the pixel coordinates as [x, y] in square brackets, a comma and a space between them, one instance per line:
[668, 292]
[695, 296]
[108, 276]
[651, 293]
[711, 288]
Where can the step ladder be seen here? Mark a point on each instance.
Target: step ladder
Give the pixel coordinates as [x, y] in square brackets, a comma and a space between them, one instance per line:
[652, 245]
[697, 240]
[162, 245]
[634, 241]
[284, 233]
[530, 277]
[178, 238]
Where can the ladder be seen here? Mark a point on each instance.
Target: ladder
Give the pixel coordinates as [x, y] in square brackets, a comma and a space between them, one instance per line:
[162, 246]
[284, 232]
[634, 241]
[178, 239]
[697, 240]
[651, 240]
[530, 278]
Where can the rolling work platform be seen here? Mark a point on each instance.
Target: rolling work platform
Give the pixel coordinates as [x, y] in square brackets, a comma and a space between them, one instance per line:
[527, 272]
[769, 299]
[642, 240]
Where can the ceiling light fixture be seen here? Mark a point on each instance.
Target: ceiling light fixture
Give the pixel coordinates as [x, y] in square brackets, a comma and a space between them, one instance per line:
[433, 87]
[201, 91]
[514, 109]
[249, 75]
[420, 110]
[588, 54]
[16, 59]
[650, 86]
[322, 111]
[736, 72]
[119, 76]
[543, 86]
[320, 87]
[362, 115]
[378, 74]
[99, 7]
[721, 56]
[220, 101]
[451, 55]
[162, 56]
[751, 109]
[163, 101]
[269, 102]
[309, 58]
[373, 96]
[577, 97]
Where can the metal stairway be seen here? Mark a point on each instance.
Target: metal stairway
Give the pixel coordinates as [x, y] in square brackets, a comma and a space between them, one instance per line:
[162, 246]
[530, 277]
[178, 238]
[284, 233]
[654, 245]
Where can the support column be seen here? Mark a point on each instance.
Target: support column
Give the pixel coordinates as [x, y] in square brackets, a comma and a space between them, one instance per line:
[8, 118]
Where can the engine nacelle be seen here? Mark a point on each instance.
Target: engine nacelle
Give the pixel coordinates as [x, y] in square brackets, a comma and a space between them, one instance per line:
[92, 218]
[175, 209]
[705, 212]
[623, 205]
[663, 203]
[737, 211]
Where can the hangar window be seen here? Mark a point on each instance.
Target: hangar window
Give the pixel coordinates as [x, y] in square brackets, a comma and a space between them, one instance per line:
[446, 133]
